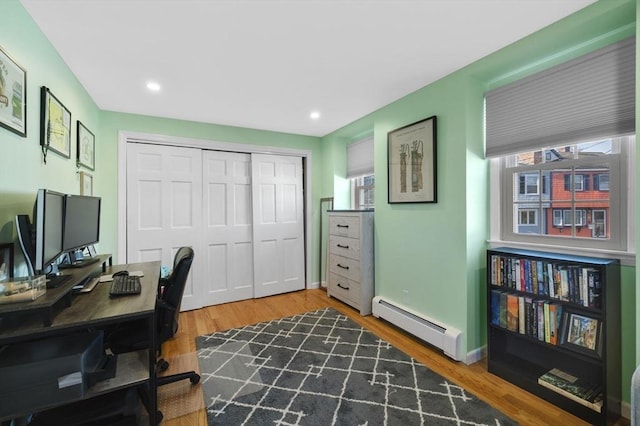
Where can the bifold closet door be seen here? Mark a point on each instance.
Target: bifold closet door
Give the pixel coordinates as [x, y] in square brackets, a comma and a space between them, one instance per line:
[278, 224]
[164, 208]
[228, 226]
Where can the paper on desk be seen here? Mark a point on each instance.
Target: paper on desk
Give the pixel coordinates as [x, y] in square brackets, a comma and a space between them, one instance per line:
[105, 278]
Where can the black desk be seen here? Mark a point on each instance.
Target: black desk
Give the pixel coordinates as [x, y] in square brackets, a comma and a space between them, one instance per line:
[95, 310]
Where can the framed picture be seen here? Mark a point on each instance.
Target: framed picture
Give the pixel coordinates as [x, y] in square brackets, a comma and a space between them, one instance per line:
[581, 333]
[412, 163]
[86, 147]
[6, 261]
[86, 184]
[55, 130]
[13, 95]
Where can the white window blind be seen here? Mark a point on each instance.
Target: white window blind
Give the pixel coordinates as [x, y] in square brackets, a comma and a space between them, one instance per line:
[360, 158]
[589, 97]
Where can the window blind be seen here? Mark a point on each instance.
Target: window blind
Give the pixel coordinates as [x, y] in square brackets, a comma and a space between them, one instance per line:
[586, 98]
[360, 158]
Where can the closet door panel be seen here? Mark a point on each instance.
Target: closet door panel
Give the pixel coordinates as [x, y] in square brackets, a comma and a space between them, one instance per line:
[278, 232]
[164, 210]
[228, 227]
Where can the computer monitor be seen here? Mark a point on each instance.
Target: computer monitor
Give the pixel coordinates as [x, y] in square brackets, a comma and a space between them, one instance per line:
[81, 225]
[48, 217]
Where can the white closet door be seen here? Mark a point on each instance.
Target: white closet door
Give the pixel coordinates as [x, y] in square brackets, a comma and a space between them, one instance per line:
[278, 224]
[164, 208]
[228, 226]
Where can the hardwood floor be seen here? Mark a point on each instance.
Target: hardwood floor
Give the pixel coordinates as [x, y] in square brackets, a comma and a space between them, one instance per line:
[511, 400]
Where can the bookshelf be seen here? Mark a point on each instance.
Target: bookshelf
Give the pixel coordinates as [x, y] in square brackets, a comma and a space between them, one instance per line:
[553, 328]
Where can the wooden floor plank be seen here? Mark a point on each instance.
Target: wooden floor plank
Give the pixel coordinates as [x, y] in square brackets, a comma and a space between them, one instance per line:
[511, 400]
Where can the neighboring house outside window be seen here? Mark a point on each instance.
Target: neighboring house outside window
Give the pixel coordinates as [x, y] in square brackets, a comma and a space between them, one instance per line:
[566, 193]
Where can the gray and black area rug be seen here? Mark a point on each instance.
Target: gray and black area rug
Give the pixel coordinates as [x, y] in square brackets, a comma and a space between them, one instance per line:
[321, 368]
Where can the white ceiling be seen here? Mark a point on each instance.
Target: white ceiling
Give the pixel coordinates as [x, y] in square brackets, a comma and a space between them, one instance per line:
[266, 64]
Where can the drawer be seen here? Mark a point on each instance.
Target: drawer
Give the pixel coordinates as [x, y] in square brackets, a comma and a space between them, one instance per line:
[345, 267]
[344, 289]
[346, 226]
[344, 246]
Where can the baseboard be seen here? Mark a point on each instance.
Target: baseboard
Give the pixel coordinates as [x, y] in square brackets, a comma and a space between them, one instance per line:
[625, 410]
[314, 285]
[476, 355]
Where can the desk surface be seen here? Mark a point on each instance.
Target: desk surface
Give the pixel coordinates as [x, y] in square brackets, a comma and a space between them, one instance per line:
[91, 309]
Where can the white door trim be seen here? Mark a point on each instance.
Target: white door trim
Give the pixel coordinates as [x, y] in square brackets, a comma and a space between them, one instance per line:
[128, 136]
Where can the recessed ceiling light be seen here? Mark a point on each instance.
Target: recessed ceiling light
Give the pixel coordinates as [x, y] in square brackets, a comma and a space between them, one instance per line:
[153, 86]
[315, 115]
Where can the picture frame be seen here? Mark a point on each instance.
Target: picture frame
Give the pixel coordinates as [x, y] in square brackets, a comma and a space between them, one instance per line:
[6, 261]
[55, 130]
[86, 145]
[86, 184]
[411, 156]
[13, 95]
[581, 332]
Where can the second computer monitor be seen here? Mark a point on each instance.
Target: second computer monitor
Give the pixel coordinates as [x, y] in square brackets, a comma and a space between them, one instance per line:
[81, 227]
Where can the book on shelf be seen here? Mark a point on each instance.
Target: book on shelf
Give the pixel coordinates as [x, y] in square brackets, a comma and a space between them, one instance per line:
[495, 307]
[503, 310]
[512, 312]
[563, 383]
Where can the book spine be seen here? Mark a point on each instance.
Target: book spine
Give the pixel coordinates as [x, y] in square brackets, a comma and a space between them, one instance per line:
[521, 315]
[547, 322]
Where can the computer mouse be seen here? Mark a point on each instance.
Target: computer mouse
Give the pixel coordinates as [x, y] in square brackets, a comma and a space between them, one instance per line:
[120, 273]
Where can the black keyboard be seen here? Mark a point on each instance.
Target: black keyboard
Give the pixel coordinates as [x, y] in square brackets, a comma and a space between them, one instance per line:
[125, 286]
[57, 280]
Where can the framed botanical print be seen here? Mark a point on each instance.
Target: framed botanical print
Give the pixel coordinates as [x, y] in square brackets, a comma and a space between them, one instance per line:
[411, 155]
[55, 130]
[86, 156]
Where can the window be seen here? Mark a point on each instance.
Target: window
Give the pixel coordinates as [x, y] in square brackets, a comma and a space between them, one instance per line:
[529, 184]
[566, 124]
[527, 217]
[567, 195]
[363, 192]
[601, 182]
[360, 172]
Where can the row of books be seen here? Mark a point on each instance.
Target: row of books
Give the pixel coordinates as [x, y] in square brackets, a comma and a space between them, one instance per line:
[567, 282]
[587, 394]
[539, 319]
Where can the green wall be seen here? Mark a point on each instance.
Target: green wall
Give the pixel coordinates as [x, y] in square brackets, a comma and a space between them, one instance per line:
[22, 168]
[430, 257]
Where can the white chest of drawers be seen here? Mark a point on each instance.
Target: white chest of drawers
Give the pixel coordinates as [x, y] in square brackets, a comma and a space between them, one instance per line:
[350, 258]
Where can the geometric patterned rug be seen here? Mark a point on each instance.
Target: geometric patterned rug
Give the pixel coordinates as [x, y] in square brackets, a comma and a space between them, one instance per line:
[321, 368]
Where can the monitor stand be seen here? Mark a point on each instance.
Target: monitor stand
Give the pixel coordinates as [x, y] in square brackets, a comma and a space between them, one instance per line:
[76, 259]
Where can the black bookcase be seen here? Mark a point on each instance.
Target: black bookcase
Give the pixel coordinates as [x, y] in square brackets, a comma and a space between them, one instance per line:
[549, 311]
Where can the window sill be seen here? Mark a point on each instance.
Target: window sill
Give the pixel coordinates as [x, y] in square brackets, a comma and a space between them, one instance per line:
[626, 258]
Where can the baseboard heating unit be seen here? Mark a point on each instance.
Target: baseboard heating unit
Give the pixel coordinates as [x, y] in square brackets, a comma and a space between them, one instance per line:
[441, 336]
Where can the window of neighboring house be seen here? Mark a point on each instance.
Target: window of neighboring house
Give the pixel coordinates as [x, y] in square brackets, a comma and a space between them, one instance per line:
[528, 183]
[581, 193]
[527, 217]
[601, 182]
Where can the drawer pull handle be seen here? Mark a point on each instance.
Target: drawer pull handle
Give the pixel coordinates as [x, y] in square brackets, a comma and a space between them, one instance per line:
[342, 266]
[343, 287]
[342, 226]
[341, 246]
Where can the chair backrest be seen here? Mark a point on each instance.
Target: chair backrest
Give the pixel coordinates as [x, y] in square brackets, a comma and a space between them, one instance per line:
[170, 299]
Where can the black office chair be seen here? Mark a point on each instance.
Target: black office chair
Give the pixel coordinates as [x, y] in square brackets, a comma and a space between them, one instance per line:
[170, 291]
